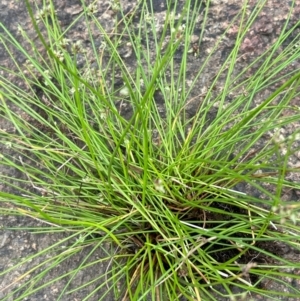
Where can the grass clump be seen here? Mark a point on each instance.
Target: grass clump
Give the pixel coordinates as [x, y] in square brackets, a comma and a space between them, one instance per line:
[121, 148]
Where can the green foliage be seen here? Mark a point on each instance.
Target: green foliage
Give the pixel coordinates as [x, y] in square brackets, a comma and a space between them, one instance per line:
[190, 202]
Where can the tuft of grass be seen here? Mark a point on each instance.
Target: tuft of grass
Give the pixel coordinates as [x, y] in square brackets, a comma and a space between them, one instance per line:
[180, 188]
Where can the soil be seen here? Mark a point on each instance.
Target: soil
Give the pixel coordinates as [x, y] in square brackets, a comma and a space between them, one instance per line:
[17, 245]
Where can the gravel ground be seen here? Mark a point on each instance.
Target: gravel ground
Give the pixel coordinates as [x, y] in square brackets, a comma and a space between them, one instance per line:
[16, 245]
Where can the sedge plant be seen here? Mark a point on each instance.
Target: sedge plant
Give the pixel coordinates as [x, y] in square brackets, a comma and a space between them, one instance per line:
[179, 186]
